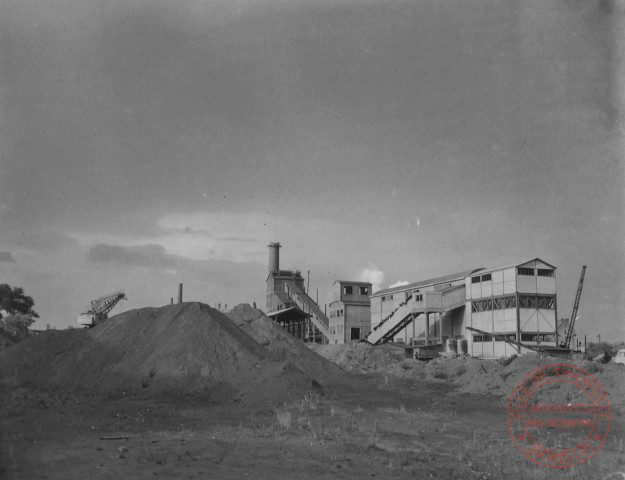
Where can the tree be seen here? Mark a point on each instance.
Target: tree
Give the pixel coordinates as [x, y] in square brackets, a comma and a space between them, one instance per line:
[16, 326]
[14, 302]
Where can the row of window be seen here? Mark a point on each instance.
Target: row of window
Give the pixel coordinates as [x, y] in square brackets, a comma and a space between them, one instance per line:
[487, 304]
[541, 272]
[483, 278]
[525, 337]
[349, 290]
[336, 313]
[546, 302]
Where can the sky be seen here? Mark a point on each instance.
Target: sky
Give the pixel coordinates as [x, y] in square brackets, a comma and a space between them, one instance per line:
[145, 144]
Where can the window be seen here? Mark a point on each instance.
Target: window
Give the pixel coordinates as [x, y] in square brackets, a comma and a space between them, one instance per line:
[475, 279]
[355, 334]
[538, 337]
[543, 272]
[525, 271]
[482, 305]
[547, 303]
[534, 302]
[502, 303]
[482, 338]
[348, 290]
[364, 290]
[502, 337]
[486, 278]
[418, 298]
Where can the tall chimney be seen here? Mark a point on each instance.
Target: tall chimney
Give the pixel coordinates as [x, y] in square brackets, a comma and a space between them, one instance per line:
[180, 293]
[274, 257]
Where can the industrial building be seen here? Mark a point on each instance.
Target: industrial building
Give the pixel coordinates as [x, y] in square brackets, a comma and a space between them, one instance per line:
[289, 305]
[349, 311]
[518, 302]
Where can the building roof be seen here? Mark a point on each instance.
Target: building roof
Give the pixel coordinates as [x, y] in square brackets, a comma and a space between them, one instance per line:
[282, 274]
[513, 265]
[453, 277]
[426, 283]
[288, 314]
[352, 282]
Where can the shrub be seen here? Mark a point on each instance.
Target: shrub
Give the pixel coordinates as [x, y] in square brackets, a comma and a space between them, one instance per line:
[284, 419]
[593, 367]
[460, 369]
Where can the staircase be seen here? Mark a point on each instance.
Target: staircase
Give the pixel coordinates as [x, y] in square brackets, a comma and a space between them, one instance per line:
[309, 306]
[392, 324]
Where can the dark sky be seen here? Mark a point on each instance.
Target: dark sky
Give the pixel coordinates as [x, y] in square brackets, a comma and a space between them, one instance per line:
[145, 144]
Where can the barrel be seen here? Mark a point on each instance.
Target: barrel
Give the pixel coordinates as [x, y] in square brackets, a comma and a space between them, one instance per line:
[452, 345]
[463, 347]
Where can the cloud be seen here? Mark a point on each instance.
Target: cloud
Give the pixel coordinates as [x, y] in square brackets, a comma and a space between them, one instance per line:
[153, 256]
[373, 275]
[6, 257]
[399, 283]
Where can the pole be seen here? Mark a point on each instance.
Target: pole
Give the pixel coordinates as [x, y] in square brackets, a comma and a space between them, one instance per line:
[308, 283]
[180, 293]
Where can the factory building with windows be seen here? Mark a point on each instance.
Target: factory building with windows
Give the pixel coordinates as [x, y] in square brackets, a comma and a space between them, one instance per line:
[349, 312]
[516, 301]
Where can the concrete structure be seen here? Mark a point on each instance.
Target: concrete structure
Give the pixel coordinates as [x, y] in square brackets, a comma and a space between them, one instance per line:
[518, 301]
[288, 304]
[349, 312]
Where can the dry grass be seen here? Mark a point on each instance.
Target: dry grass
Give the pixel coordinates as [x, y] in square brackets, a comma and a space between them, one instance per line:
[284, 419]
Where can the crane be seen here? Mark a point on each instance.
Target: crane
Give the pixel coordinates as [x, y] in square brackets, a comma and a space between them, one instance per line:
[99, 308]
[569, 333]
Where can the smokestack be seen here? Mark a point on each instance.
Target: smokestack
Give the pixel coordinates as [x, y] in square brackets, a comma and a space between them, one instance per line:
[171, 300]
[180, 293]
[274, 257]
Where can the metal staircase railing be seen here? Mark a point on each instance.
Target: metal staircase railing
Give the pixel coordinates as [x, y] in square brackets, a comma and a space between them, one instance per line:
[392, 323]
[308, 305]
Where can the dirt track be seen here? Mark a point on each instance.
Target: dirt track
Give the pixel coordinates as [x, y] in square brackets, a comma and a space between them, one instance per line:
[400, 419]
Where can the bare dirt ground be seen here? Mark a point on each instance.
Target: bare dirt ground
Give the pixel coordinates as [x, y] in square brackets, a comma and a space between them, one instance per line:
[380, 416]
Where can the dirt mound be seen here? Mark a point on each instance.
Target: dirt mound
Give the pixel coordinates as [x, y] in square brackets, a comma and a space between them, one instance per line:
[476, 376]
[280, 344]
[185, 348]
[471, 376]
[362, 357]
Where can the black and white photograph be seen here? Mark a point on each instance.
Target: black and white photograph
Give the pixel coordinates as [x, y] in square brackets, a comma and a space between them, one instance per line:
[312, 239]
